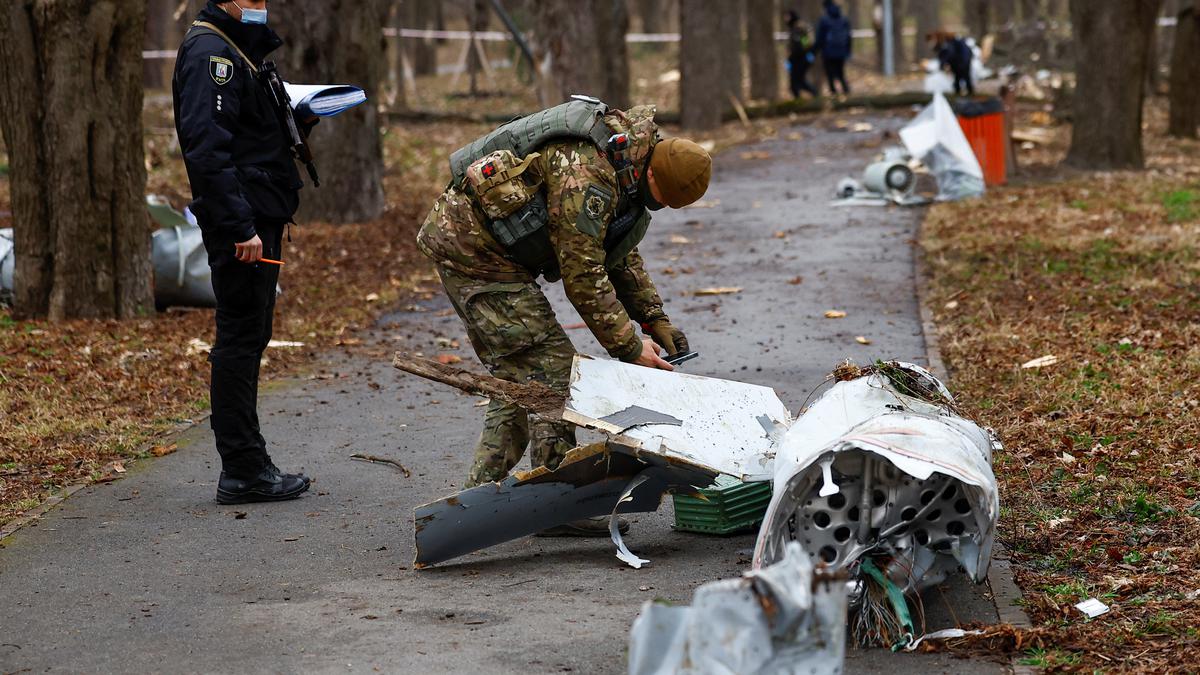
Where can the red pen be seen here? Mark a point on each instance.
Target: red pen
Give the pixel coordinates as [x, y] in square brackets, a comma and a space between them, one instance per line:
[273, 262]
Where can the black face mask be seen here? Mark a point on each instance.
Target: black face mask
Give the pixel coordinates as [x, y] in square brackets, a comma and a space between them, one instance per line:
[646, 195]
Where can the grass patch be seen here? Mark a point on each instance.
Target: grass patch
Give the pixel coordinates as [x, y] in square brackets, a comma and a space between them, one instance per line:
[1102, 449]
[1182, 205]
[1039, 657]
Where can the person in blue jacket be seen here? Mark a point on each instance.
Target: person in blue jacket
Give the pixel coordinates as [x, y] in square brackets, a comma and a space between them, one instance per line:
[834, 43]
[245, 189]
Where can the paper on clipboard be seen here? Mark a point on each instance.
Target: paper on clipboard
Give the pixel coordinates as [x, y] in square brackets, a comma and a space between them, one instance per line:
[323, 100]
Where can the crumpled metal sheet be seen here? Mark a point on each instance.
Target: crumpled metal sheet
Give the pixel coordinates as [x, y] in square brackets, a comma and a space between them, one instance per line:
[594, 480]
[730, 427]
[867, 470]
[935, 137]
[787, 618]
[670, 432]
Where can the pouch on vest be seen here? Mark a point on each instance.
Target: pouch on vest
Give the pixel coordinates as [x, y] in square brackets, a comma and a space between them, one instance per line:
[511, 198]
[501, 183]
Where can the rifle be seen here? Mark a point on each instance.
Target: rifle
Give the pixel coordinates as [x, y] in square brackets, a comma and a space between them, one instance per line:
[269, 75]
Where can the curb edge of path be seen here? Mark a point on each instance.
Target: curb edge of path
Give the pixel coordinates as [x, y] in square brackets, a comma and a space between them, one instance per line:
[35, 514]
[1006, 595]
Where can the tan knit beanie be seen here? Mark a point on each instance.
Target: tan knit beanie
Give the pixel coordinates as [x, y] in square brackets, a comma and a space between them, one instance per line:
[681, 171]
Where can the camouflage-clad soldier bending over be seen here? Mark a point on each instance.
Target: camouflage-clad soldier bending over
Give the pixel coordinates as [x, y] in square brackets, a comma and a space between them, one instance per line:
[563, 194]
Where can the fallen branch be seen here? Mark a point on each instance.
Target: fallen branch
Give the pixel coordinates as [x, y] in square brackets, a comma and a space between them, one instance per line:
[534, 397]
[382, 460]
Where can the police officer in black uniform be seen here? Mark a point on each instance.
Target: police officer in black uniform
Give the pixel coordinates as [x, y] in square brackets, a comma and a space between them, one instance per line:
[245, 189]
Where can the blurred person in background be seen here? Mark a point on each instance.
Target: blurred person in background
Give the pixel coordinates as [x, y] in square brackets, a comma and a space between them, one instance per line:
[800, 55]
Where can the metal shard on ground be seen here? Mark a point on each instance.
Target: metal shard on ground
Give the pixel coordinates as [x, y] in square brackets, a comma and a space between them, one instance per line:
[594, 480]
[787, 618]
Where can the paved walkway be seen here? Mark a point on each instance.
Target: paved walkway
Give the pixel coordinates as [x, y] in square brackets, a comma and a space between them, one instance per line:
[148, 574]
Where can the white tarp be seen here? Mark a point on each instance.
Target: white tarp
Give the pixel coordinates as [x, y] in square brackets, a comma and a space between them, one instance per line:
[937, 81]
[7, 262]
[935, 137]
[729, 426]
[182, 276]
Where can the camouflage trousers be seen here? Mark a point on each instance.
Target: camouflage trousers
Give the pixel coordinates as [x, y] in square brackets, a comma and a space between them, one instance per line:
[514, 332]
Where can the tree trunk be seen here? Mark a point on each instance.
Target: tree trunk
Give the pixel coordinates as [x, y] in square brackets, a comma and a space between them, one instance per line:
[709, 60]
[729, 47]
[424, 15]
[975, 15]
[1107, 110]
[71, 112]
[1185, 76]
[653, 14]
[396, 56]
[1004, 13]
[761, 20]
[336, 41]
[1006, 27]
[701, 95]
[479, 16]
[928, 20]
[568, 45]
[612, 23]
[809, 11]
[160, 35]
[854, 12]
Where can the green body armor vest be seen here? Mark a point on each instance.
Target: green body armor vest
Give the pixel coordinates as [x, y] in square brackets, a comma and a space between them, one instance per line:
[524, 233]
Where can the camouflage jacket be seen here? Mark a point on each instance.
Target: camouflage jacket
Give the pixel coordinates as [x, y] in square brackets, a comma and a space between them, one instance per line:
[454, 235]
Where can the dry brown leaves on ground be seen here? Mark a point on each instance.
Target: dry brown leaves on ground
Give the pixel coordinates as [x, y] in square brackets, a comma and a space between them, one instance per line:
[1100, 475]
[79, 395]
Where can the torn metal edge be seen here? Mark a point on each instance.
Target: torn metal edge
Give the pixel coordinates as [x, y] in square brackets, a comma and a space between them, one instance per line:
[637, 416]
[573, 490]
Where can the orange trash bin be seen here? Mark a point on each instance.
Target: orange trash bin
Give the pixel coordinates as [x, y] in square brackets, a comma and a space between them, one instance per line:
[982, 123]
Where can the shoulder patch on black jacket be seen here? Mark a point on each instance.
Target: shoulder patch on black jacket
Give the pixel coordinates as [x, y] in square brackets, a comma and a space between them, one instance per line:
[220, 68]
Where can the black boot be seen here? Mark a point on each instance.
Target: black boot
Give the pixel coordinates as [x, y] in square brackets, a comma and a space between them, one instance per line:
[270, 485]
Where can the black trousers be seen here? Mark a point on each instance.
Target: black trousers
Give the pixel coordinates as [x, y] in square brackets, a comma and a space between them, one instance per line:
[245, 311]
[962, 81]
[835, 71]
[798, 78]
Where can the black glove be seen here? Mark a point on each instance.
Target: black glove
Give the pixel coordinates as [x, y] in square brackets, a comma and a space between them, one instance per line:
[666, 335]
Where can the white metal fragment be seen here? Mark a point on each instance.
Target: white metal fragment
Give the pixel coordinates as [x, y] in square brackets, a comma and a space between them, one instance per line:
[1092, 607]
[828, 487]
[614, 530]
[719, 420]
[944, 634]
[783, 619]
[935, 137]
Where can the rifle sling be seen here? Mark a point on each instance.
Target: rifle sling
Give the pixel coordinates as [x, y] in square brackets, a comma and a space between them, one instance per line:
[219, 33]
